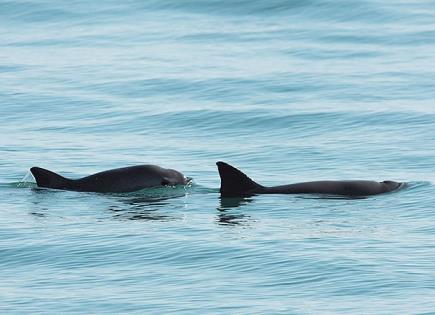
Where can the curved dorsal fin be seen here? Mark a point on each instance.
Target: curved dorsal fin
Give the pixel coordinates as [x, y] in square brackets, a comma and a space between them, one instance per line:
[48, 179]
[234, 182]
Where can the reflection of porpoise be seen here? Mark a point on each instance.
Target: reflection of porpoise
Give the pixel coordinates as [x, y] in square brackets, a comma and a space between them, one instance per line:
[120, 180]
[236, 183]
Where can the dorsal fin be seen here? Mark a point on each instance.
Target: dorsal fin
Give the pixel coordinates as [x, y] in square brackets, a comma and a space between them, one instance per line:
[48, 179]
[234, 182]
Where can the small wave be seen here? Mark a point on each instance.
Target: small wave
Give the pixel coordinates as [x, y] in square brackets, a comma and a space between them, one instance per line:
[321, 9]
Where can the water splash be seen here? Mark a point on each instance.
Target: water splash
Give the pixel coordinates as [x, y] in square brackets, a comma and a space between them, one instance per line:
[28, 181]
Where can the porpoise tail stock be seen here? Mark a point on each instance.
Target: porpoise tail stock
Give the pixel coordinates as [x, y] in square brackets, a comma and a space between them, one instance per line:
[235, 183]
[120, 180]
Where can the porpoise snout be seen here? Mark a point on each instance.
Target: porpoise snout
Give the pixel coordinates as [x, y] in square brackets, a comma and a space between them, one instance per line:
[392, 185]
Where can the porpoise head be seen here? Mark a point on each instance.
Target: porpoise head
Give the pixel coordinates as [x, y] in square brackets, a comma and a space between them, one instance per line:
[175, 177]
[390, 185]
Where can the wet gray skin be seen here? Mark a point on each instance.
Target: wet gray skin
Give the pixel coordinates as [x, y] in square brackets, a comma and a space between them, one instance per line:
[120, 180]
[236, 183]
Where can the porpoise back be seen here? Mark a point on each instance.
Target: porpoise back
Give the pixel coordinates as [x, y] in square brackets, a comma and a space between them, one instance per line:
[120, 180]
[235, 183]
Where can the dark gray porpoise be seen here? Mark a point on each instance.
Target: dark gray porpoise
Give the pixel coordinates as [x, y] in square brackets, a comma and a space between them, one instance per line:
[234, 183]
[120, 180]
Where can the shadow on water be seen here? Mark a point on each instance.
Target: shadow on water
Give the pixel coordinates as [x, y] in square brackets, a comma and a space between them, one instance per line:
[228, 211]
[143, 208]
[233, 202]
[150, 204]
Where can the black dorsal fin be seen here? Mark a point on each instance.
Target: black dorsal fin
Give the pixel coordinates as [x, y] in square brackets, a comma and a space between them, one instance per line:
[48, 179]
[234, 182]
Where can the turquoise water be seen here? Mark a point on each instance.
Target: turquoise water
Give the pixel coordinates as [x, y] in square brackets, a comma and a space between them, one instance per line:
[287, 91]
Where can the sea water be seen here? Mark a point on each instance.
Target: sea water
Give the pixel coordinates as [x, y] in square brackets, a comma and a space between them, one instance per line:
[286, 90]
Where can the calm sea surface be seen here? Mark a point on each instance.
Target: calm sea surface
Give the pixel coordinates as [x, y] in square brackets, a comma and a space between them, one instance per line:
[285, 90]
